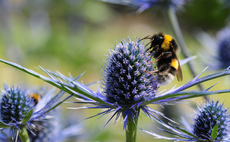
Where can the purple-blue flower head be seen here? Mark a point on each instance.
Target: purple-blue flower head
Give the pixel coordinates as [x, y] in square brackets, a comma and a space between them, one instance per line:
[20, 107]
[15, 104]
[211, 114]
[145, 4]
[126, 81]
[127, 78]
[217, 50]
[211, 124]
[223, 44]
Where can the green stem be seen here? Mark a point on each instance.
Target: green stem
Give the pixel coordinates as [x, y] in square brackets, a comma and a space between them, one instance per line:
[131, 129]
[177, 31]
[78, 87]
[23, 134]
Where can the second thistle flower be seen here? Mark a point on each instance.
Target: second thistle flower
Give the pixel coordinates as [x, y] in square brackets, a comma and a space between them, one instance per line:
[211, 114]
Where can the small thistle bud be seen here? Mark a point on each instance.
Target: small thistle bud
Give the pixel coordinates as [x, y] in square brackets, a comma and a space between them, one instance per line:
[127, 79]
[15, 104]
[209, 115]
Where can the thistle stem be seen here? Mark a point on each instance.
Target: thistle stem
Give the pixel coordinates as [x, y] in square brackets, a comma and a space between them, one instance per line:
[23, 134]
[131, 129]
[171, 16]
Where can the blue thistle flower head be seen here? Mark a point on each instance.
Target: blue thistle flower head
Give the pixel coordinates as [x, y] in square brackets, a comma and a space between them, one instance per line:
[223, 44]
[217, 50]
[15, 104]
[126, 79]
[211, 124]
[20, 107]
[211, 114]
[127, 82]
[145, 4]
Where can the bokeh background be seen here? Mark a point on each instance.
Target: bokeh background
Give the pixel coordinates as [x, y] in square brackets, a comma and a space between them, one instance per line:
[74, 36]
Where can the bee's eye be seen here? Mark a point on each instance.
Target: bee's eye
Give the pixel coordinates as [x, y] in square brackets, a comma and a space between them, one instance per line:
[160, 38]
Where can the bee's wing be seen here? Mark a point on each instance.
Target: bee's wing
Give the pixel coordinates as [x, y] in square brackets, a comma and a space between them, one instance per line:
[179, 71]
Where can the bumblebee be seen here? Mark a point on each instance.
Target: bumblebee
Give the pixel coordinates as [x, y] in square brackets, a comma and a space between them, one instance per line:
[35, 98]
[163, 48]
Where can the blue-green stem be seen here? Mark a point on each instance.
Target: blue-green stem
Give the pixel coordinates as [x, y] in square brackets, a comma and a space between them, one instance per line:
[23, 134]
[171, 15]
[131, 129]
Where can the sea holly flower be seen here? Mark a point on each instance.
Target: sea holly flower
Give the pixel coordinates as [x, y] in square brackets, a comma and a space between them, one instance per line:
[217, 50]
[20, 114]
[15, 104]
[211, 115]
[211, 123]
[128, 86]
[142, 5]
[126, 82]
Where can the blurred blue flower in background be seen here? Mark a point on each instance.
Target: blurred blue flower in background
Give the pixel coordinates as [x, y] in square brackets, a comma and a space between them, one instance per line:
[211, 123]
[142, 5]
[46, 129]
[225, 2]
[20, 108]
[223, 38]
[217, 50]
[212, 114]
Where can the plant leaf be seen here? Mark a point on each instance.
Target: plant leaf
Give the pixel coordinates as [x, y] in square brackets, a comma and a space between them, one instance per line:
[3, 125]
[214, 132]
[27, 117]
[70, 85]
[175, 96]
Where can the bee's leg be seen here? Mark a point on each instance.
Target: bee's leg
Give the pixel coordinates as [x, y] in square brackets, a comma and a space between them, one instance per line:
[147, 45]
[164, 68]
[152, 72]
[147, 37]
[167, 54]
[151, 47]
[164, 54]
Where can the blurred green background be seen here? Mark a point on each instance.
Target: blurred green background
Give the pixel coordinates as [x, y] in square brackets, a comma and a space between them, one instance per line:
[74, 36]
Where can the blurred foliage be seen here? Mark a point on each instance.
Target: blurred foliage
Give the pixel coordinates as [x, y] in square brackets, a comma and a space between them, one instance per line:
[73, 36]
[208, 15]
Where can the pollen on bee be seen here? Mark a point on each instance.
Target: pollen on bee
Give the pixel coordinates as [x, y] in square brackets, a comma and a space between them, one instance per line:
[167, 40]
[175, 63]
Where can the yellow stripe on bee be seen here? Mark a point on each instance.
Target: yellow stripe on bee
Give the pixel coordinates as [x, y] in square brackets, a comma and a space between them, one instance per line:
[175, 63]
[166, 42]
[35, 96]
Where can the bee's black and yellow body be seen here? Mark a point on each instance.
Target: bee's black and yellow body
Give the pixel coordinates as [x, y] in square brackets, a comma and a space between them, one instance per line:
[35, 98]
[163, 48]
